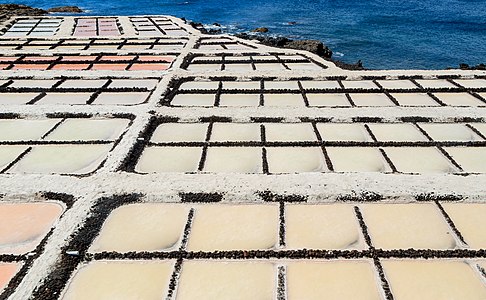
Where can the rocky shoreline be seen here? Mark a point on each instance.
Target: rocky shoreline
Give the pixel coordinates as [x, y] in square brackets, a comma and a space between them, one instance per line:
[10, 10]
[258, 34]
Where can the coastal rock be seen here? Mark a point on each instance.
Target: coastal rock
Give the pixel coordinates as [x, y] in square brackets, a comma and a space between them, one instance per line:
[358, 66]
[10, 10]
[65, 9]
[199, 26]
[481, 67]
[260, 30]
[313, 46]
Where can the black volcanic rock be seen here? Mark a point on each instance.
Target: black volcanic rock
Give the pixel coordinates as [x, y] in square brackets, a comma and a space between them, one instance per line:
[260, 29]
[313, 46]
[65, 9]
[10, 10]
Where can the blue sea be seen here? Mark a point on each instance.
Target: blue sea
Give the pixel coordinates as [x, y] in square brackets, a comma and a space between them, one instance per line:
[384, 34]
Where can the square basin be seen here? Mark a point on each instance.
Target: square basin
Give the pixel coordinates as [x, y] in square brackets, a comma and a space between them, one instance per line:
[433, 279]
[180, 132]
[471, 159]
[397, 84]
[142, 227]
[89, 130]
[419, 160]
[65, 98]
[335, 279]
[233, 160]
[32, 222]
[283, 100]
[357, 159]
[8, 153]
[235, 132]
[371, 100]
[322, 227]
[199, 85]
[239, 100]
[469, 220]
[281, 85]
[289, 132]
[328, 100]
[100, 280]
[29, 83]
[414, 99]
[234, 227]
[459, 99]
[295, 160]
[435, 83]
[241, 85]
[446, 132]
[63, 159]
[7, 272]
[359, 84]
[123, 98]
[193, 100]
[320, 84]
[25, 129]
[83, 83]
[397, 132]
[343, 132]
[133, 83]
[169, 159]
[404, 226]
[472, 83]
[221, 280]
[238, 67]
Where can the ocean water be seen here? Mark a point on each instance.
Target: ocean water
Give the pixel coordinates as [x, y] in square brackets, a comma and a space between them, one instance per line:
[384, 34]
